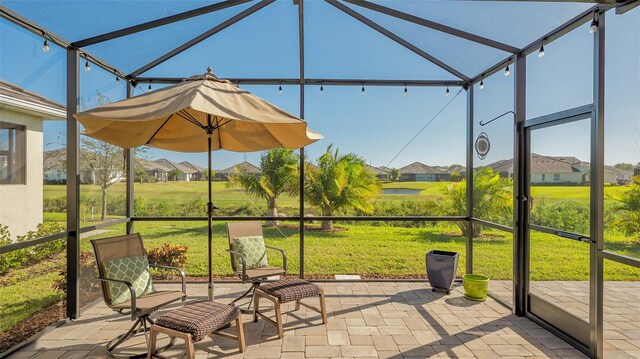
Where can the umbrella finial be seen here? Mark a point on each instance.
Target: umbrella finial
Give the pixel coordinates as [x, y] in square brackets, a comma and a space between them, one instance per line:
[209, 70]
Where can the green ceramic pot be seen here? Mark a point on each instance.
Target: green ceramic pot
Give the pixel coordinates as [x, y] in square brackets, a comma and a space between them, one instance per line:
[475, 287]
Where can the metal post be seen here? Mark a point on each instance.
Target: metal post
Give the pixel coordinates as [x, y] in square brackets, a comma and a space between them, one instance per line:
[520, 211]
[209, 209]
[130, 173]
[302, 84]
[596, 276]
[469, 179]
[73, 187]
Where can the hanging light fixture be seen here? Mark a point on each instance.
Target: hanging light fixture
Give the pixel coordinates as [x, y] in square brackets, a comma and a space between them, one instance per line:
[507, 71]
[405, 92]
[446, 92]
[45, 45]
[541, 51]
[594, 24]
[280, 88]
[321, 88]
[362, 91]
[87, 67]
[149, 88]
[117, 77]
[482, 82]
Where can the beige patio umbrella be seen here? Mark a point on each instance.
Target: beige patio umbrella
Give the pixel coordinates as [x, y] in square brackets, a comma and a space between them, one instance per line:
[203, 113]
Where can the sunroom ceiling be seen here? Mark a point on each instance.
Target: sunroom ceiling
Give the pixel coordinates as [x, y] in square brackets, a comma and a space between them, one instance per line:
[337, 45]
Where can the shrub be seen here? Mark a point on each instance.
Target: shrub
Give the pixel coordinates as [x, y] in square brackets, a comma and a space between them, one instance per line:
[89, 287]
[168, 254]
[17, 258]
[570, 216]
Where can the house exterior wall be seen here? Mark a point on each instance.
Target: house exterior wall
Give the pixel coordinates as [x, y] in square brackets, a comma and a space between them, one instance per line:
[549, 178]
[423, 177]
[21, 207]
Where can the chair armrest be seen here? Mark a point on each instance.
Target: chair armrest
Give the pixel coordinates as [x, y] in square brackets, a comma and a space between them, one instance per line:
[134, 309]
[284, 256]
[182, 276]
[244, 263]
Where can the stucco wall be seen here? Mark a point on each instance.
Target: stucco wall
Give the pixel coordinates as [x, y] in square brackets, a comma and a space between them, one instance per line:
[21, 204]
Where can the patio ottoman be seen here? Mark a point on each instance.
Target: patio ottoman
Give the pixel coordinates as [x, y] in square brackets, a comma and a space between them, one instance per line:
[284, 291]
[195, 321]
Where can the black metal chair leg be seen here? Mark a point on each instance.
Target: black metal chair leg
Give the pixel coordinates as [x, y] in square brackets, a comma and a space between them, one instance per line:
[141, 324]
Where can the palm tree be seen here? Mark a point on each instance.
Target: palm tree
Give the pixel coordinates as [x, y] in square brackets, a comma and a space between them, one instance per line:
[394, 174]
[492, 199]
[628, 208]
[279, 175]
[339, 182]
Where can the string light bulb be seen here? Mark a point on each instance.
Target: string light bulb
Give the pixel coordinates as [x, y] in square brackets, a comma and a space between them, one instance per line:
[45, 46]
[280, 88]
[481, 84]
[321, 88]
[594, 24]
[541, 51]
[362, 91]
[405, 92]
[87, 67]
[446, 92]
[149, 87]
[507, 71]
[117, 80]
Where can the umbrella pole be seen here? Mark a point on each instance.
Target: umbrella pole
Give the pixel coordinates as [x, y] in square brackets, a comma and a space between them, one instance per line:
[209, 212]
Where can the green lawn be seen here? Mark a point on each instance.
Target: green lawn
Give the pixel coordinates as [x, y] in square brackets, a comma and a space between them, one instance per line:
[26, 291]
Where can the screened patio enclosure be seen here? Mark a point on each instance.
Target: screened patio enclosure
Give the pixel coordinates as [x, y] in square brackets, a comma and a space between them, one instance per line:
[529, 76]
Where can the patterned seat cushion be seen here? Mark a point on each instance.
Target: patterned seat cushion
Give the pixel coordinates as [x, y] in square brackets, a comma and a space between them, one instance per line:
[135, 270]
[287, 290]
[199, 319]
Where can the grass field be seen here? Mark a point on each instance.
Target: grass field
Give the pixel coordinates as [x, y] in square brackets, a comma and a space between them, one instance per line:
[185, 191]
[365, 249]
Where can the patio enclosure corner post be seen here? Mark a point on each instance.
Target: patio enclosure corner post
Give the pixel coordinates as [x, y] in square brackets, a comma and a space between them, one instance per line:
[520, 213]
[73, 186]
[469, 179]
[301, 172]
[130, 174]
[596, 275]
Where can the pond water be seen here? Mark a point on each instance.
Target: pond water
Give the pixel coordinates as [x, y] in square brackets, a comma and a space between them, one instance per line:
[401, 191]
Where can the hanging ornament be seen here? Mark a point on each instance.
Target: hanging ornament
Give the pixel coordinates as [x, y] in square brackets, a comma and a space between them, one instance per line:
[482, 145]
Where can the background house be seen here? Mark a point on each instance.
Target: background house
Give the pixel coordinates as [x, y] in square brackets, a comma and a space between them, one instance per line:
[55, 169]
[420, 172]
[21, 155]
[225, 174]
[560, 170]
[379, 173]
[155, 171]
[178, 171]
[636, 171]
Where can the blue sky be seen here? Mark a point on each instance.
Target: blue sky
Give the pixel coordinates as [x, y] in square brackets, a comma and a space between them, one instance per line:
[378, 124]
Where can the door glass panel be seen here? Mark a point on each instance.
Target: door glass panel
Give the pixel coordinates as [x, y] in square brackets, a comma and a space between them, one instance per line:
[559, 176]
[559, 180]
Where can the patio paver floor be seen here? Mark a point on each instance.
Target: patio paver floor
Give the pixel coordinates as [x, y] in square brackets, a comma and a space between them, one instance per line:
[366, 320]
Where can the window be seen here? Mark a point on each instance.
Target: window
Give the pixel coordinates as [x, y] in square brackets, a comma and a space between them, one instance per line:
[543, 176]
[556, 177]
[12, 153]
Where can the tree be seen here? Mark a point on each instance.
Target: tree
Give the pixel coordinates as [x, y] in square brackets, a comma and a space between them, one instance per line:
[628, 209]
[103, 160]
[492, 199]
[279, 175]
[456, 176]
[340, 182]
[394, 174]
[624, 166]
[106, 164]
[175, 174]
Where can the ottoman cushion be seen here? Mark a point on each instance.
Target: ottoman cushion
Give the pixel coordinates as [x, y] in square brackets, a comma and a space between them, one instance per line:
[199, 319]
[287, 290]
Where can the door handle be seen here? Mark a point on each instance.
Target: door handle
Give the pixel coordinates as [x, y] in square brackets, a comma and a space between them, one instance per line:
[525, 199]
